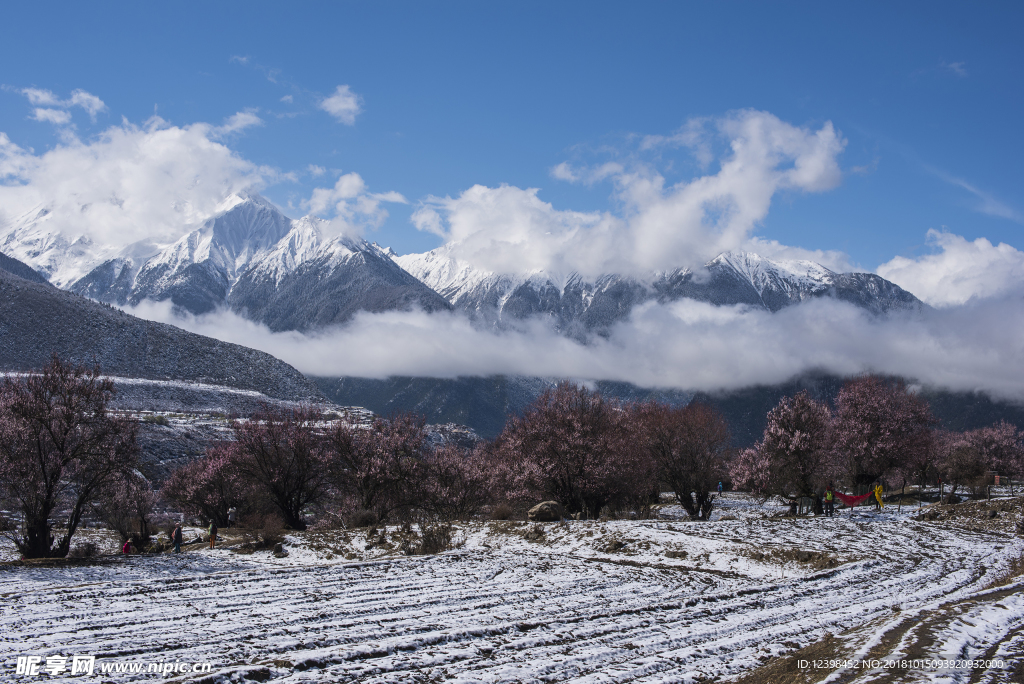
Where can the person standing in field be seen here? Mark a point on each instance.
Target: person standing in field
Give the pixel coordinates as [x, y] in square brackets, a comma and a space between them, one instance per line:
[176, 538]
[213, 533]
[830, 501]
[878, 496]
[231, 516]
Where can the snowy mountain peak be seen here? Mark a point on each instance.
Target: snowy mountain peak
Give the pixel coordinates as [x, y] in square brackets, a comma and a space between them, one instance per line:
[762, 272]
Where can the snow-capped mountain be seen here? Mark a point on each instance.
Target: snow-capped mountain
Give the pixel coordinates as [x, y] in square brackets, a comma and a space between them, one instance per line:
[63, 259]
[577, 303]
[292, 274]
[283, 272]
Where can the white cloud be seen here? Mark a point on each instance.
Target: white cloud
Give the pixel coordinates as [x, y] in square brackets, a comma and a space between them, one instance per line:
[38, 96]
[238, 122]
[958, 68]
[567, 172]
[508, 229]
[829, 258]
[350, 205]
[128, 184]
[79, 98]
[87, 101]
[58, 117]
[316, 171]
[287, 98]
[686, 344]
[343, 105]
[960, 271]
[693, 134]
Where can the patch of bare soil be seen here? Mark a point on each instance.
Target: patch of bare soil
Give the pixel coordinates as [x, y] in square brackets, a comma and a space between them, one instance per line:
[995, 515]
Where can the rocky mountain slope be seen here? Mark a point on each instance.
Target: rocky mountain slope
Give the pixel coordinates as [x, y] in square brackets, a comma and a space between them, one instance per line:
[37, 320]
[288, 274]
[578, 305]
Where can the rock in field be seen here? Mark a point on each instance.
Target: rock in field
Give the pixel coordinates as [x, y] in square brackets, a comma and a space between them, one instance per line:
[546, 511]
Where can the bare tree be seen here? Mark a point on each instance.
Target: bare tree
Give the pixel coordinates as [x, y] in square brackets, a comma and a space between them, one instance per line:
[59, 447]
[689, 445]
[282, 455]
[126, 505]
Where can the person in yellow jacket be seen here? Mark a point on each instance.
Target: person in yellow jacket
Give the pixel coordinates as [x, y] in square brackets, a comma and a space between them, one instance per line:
[878, 496]
[830, 501]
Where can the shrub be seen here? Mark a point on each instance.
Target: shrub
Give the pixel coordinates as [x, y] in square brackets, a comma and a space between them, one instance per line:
[362, 518]
[501, 512]
[84, 550]
[435, 538]
[263, 530]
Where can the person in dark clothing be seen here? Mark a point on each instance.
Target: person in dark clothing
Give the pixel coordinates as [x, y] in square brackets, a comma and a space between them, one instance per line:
[176, 538]
[213, 533]
[830, 501]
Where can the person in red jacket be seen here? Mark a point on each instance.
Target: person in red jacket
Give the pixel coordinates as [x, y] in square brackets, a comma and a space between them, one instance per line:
[127, 548]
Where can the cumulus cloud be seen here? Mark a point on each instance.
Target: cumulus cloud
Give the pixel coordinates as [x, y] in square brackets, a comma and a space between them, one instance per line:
[343, 105]
[87, 101]
[238, 122]
[128, 184]
[960, 271]
[57, 117]
[661, 227]
[79, 98]
[567, 172]
[685, 344]
[350, 205]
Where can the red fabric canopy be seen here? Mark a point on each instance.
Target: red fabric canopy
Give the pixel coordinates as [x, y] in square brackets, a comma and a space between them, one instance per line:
[852, 501]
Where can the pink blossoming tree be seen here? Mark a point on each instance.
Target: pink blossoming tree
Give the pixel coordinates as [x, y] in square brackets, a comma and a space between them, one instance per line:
[59, 447]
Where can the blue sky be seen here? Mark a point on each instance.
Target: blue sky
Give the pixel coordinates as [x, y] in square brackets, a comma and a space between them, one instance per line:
[928, 97]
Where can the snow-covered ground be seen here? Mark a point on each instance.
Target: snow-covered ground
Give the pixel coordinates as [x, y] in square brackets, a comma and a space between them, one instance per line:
[618, 601]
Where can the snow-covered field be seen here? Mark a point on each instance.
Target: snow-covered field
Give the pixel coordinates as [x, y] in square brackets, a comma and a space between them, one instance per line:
[619, 601]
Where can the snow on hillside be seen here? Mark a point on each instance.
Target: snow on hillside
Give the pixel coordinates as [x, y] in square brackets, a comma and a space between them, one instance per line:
[620, 601]
[762, 272]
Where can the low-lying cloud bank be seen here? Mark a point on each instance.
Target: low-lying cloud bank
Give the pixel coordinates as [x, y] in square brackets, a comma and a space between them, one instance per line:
[685, 344]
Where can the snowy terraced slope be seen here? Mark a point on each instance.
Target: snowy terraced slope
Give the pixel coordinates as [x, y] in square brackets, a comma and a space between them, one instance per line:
[563, 608]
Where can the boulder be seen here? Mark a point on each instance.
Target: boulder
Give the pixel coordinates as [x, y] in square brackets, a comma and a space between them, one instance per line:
[546, 511]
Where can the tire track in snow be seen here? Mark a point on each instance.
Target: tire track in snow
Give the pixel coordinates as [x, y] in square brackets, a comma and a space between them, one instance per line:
[545, 616]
